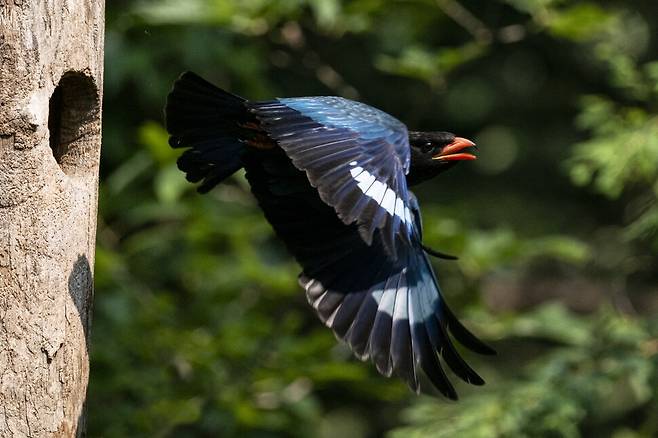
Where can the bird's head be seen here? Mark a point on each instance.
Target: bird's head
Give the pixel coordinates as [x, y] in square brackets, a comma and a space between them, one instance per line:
[435, 152]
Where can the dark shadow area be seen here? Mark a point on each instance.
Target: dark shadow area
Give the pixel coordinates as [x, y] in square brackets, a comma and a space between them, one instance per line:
[81, 289]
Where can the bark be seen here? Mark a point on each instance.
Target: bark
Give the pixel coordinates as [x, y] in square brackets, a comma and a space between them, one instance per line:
[50, 106]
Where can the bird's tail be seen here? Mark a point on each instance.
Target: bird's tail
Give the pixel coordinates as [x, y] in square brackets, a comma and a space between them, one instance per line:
[207, 120]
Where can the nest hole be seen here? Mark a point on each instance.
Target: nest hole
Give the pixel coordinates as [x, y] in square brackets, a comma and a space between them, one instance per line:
[74, 123]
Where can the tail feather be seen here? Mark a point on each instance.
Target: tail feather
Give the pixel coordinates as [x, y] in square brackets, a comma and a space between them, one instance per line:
[206, 120]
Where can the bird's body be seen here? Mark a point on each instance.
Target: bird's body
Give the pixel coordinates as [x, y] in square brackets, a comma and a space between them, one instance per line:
[331, 177]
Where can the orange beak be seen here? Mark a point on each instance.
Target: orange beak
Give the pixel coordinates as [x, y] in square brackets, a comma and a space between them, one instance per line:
[452, 152]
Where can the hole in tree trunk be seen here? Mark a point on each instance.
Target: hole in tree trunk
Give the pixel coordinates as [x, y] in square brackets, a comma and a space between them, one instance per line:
[74, 123]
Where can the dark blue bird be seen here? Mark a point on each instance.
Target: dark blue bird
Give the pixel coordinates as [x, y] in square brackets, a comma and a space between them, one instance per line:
[332, 177]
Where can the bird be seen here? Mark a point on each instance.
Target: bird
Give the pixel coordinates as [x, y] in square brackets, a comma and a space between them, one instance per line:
[332, 177]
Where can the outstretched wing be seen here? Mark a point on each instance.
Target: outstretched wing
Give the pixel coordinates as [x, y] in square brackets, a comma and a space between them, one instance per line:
[355, 155]
[388, 310]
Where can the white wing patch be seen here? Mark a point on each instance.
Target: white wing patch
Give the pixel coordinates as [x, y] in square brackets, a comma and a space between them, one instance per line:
[388, 201]
[365, 179]
[376, 191]
[381, 193]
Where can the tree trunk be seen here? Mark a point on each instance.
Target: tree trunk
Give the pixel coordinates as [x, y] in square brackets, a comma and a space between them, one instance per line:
[50, 130]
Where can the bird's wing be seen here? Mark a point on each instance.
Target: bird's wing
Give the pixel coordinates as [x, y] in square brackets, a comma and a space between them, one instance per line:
[391, 312]
[355, 155]
[388, 310]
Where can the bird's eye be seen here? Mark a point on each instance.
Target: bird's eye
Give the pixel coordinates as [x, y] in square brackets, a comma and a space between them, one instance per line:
[426, 147]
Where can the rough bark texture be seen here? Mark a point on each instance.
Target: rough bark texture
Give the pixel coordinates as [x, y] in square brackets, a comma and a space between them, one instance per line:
[50, 95]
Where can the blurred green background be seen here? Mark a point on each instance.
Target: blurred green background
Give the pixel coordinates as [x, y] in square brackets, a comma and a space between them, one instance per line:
[200, 329]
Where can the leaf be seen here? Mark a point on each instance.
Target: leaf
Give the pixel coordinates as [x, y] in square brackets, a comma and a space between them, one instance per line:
[169, 184]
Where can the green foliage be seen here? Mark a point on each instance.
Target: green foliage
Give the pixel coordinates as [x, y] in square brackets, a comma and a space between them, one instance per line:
[420, 63]
[623, 151]
[580, 22]
[604, 368]
[199, 326]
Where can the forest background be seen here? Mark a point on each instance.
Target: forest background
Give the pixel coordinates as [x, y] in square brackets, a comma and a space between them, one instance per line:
[199, 326]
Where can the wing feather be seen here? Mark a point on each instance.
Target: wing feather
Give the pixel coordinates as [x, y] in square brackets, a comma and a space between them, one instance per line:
[335, 140]
[392, 313]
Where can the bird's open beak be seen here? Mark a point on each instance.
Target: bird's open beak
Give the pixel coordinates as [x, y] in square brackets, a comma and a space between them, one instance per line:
[452, 152]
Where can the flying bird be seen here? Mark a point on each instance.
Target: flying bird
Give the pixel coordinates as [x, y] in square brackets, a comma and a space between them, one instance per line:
[332, 177]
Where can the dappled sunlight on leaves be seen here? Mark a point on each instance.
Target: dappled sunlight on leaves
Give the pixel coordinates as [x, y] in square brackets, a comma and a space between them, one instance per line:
[200, 328]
